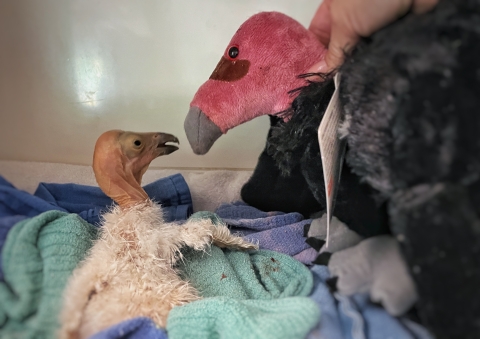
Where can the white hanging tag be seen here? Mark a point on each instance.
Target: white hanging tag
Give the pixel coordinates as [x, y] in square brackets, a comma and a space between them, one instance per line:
[332, 150]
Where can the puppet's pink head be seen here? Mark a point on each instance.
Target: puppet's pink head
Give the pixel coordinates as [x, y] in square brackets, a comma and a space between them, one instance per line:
[259, 67]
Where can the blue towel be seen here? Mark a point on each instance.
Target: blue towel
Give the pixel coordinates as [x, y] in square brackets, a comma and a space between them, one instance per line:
[341, 318]
[87, 201]
[16, 202]
[16, 205]
[136, 328]
[356, 317]
[275, 231]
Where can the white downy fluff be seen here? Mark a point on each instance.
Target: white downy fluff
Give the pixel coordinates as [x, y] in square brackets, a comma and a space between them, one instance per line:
[129, 270]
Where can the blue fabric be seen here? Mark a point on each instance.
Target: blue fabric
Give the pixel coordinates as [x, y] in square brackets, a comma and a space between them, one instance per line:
[136, 328]
[356, 317]
[276, 231]
[16, 205]
[341, 317]
[87, 201]
[15, 202]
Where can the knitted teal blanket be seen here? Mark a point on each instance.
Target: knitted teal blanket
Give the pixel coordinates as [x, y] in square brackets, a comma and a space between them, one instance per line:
[256, 294]
[38, 257]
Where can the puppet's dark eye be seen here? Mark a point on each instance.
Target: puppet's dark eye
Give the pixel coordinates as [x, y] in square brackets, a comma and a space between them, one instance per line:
[233, 52]
[137, 142]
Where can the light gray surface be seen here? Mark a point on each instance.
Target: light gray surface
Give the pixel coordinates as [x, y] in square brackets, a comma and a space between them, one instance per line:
[375, 266]
[340, 236]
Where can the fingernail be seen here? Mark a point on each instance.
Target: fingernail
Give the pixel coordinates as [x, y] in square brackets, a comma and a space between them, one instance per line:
[320, 67]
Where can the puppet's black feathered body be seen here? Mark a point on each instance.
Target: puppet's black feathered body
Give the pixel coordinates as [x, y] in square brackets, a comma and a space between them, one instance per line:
[295, 148]
[411, 96]
[269, 190]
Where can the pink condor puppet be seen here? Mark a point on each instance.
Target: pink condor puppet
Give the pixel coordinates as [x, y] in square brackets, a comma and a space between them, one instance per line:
[261, 72]
[258, 69]
[410, 94]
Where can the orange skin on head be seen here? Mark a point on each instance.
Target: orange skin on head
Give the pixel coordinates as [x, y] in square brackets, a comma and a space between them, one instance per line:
[121, 158]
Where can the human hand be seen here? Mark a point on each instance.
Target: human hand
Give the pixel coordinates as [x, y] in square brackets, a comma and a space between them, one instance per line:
[339, 24]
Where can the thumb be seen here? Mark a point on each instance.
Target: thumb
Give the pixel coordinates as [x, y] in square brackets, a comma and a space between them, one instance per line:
[341, 42]
[352, 19]
[321, 22]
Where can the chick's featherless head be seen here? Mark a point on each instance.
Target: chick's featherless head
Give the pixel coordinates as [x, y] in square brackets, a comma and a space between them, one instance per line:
[121, 158]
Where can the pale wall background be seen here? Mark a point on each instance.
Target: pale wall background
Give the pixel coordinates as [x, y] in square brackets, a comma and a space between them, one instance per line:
[72, 69]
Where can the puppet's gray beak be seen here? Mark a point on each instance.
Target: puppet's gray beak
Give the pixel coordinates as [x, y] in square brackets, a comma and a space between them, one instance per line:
[201, 131]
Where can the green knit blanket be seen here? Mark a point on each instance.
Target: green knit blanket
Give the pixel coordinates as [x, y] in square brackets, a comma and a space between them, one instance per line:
[255, 294]
[39, 255]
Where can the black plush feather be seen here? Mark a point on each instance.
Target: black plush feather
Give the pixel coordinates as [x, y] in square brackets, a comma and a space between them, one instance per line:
[411, 95]
[295, 143]
[269, 190]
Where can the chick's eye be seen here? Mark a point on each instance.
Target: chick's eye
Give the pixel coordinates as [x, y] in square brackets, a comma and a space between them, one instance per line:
[137, 142]
[233, 52]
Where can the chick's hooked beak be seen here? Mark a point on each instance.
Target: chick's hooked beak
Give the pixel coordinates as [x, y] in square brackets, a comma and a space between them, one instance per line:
[160, 141]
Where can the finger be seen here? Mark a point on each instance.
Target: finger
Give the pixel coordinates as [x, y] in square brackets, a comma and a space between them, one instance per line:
[423, 6]
[319, 67]
[353, 19]
[341, 42]
[364, 17]
[321, 22]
